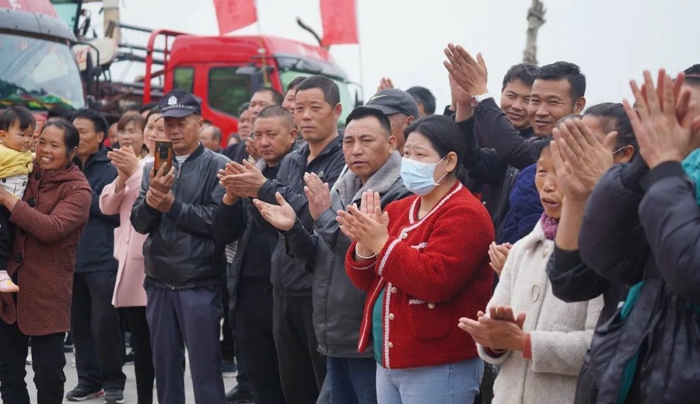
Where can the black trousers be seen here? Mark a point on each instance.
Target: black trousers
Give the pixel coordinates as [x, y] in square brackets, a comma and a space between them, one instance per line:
[179, 318]
[143, 354]
[253, 315]
[97, 335]
[302, 368]
[228, 350]
[48, 361]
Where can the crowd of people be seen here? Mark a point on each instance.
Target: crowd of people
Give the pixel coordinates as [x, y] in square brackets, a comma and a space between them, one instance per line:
[536, 250]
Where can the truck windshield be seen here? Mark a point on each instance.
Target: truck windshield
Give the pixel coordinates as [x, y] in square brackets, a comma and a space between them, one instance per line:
[345, 98]
[38, 74]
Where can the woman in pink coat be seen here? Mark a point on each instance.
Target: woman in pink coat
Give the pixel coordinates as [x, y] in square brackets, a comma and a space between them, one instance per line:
[118, 197]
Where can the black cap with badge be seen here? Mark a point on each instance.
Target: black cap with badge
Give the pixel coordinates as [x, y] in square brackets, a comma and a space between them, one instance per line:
[393, 101]
[179, 104]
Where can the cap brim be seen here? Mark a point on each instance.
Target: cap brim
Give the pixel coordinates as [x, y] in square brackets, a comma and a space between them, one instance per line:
[178, 113]
[386, 110]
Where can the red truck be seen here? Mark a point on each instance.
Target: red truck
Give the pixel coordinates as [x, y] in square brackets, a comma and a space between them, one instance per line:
[224, 71]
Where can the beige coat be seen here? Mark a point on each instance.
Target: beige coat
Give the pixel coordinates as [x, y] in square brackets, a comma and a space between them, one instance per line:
[128, 244]
[560, 332]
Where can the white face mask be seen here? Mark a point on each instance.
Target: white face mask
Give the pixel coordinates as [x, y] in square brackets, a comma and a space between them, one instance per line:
[419, 177]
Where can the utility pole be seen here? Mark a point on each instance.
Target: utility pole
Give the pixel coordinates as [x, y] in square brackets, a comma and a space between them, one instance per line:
[535, 19]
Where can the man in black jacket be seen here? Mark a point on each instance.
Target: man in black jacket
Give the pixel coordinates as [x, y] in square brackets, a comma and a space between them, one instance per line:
[99, 354]
[495, 143]
[495, 175]
[370, 153]
[182, 260]
[248, 277]
[317, 110]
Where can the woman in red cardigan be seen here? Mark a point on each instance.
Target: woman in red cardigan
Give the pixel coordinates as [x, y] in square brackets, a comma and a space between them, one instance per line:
[48, 222]
[423, 262]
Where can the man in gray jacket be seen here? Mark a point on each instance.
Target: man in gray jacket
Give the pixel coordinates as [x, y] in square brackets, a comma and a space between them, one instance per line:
[374, 164]
[183, 262]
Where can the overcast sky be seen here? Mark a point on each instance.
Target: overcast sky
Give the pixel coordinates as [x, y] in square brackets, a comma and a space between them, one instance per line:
[612, 41]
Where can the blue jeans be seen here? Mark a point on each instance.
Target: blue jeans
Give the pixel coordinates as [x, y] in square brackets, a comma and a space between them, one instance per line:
[351, 380]
[445, 384]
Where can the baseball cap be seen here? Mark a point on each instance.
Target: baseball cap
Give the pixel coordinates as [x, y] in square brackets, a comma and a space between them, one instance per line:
[392, 101]
[179, 104]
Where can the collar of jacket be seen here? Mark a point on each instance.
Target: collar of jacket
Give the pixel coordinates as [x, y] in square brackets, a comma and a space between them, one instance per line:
[330, 148]
[196, 153]
[71, 173]
[350, 186]
[99, 157]
[536, 237]
[261, 164]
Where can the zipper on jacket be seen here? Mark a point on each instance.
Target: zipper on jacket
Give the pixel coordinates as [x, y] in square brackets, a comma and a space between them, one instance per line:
[174, 190]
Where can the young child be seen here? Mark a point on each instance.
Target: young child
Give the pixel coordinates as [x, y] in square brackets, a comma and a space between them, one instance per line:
[16, 131]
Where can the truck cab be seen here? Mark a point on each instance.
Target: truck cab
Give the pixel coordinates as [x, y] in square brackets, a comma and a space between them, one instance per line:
[37, 67]
[225, 71]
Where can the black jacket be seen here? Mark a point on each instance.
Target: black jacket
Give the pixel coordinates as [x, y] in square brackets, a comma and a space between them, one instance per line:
[575, 281]
[235, 223]
[236, 152]
[338, 304]
[95, 250]
[288, 277]
[495, 163]
[572, 281]
[494, 130]
[643, 225]
[180, 251]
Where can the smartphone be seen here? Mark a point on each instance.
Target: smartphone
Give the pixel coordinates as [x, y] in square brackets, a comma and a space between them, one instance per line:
[164, 155]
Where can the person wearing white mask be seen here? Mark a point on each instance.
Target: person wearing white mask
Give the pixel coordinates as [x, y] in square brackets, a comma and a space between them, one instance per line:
[422, 261]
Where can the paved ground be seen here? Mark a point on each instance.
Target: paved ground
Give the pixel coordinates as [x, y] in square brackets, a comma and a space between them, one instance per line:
[130, 390]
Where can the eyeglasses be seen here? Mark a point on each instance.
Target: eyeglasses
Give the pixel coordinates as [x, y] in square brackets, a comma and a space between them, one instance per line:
[619, 150]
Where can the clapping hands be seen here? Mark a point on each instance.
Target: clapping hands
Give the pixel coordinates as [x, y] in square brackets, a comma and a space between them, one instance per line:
[318, 195]
[500, 330]
[281, 216]
[367, 225]
[663, 125]
[580, 159]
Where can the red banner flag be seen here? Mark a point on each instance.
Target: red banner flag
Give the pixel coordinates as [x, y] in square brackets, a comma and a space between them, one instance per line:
[233, 15]
[339, 22]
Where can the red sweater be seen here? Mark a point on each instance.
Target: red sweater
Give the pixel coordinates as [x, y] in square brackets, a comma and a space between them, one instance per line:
[435, 271]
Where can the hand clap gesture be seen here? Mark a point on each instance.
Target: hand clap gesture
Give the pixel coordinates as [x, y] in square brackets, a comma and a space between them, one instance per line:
[580, 159]
[126, 163]
[498, 254]
[500, 330]
[242, 180]
[662, 136]
[471, 74]
[281, 216]
[368, 225]
[124, 160]
[318, 194]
